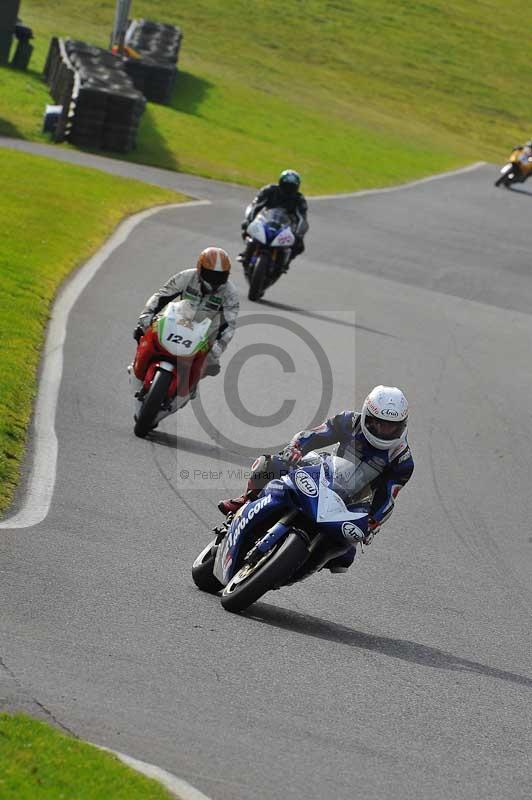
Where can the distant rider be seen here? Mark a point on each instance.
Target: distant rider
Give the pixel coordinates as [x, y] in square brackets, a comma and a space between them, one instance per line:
[208, 287]
[284, 194]
[374, 439]
[526, 154]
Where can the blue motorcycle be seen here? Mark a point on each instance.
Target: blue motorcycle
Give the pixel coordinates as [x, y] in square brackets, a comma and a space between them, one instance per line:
[269, 242]
[297, 524]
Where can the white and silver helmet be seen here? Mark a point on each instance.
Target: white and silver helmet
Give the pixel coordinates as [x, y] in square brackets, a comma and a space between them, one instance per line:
[384, 417]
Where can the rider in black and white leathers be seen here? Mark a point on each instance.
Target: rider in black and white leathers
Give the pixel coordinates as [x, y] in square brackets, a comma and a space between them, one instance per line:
[284, 194]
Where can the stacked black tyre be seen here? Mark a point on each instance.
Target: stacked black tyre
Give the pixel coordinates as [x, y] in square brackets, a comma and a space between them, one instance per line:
[154, 73]
[101, 107]
[107, 106]
[60, 76]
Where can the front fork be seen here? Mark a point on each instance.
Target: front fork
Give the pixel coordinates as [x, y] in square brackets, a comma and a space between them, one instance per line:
[272, 537]
[140, 389]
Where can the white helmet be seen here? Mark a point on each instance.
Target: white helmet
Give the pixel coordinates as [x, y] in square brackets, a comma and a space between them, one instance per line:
[384, 417]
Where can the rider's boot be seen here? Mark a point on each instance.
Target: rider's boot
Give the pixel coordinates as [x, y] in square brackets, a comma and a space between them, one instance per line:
[263, 470]
[231, 505]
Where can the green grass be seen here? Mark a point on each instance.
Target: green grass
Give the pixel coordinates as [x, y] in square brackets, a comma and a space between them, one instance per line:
[38, 762]
[351, 93]
[45, 235]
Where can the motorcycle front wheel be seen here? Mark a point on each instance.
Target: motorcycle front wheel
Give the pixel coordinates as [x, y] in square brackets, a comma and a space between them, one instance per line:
[505, 180]
[509, 174]
[274, 569]
[152, 403]
[259, 276]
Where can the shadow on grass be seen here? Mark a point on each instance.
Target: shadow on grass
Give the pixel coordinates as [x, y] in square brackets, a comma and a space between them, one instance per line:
[189, 93]
[151, 145]
[405, 650]
[28, 73]
[8, 129]
[151, 149]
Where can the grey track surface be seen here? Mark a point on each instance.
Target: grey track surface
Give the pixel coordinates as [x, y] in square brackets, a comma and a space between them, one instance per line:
[409, 677]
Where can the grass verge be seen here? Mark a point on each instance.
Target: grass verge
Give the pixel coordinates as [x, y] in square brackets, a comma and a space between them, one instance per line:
[38, 762]
[54, 217]
[353, 94]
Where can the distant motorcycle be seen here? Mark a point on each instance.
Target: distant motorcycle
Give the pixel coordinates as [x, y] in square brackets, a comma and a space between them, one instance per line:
[269, 239]
[258, 549]
[169, 362]
[518, 168]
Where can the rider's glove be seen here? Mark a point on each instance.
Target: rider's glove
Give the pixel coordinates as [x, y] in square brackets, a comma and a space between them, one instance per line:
[292, 454]
[138, 333]
[145, 320]
[216, 351]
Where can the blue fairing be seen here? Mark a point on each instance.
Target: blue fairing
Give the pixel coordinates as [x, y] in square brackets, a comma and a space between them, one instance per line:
[301, 491]
[306, 499]
[271, 232]
[270, 505]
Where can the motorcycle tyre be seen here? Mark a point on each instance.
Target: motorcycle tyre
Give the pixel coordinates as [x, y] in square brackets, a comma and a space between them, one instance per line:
[202, 570]
[275, 571]
[152, 403]
[257, 282]
[505, 181]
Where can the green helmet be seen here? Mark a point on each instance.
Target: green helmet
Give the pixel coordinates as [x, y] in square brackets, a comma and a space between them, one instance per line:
[289, 181]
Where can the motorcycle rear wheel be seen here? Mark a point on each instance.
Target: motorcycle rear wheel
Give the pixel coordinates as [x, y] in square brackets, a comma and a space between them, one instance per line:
[152, 403]
[257, 283]
[202, 570]
[277, 566]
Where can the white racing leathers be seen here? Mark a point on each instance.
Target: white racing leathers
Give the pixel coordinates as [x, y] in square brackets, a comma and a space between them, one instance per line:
[221, 306]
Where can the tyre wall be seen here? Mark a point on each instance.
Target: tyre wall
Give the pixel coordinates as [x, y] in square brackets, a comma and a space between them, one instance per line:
[101, 106]
[154, 71]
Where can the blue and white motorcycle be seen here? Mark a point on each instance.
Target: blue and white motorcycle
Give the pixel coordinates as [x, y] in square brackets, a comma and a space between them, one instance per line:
[296, 525]
[269, 241]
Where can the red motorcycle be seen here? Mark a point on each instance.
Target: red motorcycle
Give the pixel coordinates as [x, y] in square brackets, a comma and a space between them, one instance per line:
[168, 364]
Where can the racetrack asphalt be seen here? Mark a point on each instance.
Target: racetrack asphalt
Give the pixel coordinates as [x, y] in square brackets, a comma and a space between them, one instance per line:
[408, 677]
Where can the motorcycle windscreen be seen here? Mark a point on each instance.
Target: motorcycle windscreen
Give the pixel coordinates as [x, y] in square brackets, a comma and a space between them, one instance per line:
[275, 217]
[339, 481]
